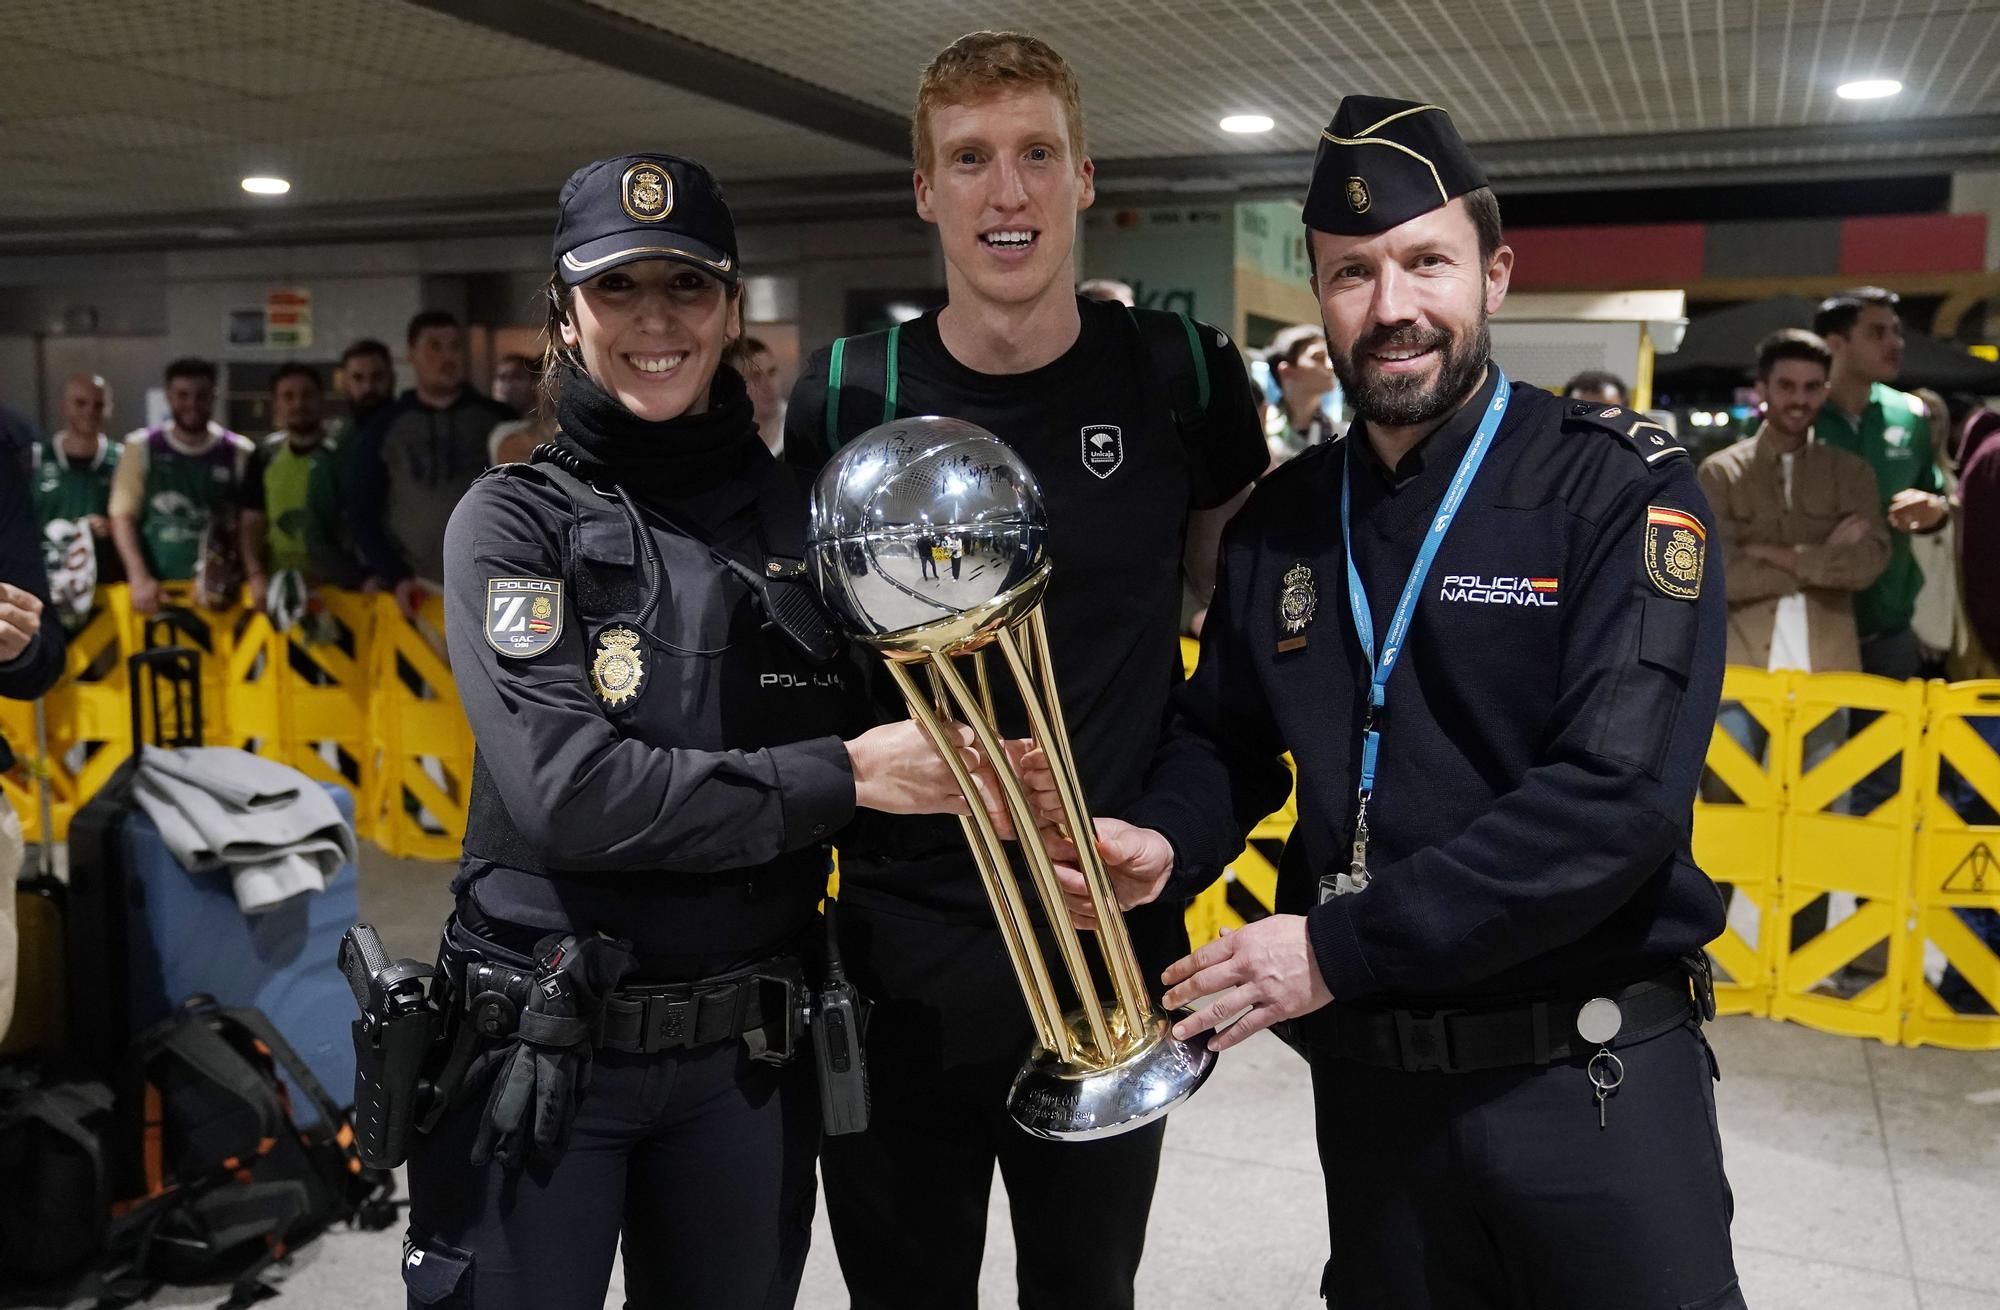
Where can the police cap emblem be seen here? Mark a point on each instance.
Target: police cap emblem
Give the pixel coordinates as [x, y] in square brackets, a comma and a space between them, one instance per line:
[648, 192]
[618, 670]
[524, 616]
[1357, 195]
[1676, 547]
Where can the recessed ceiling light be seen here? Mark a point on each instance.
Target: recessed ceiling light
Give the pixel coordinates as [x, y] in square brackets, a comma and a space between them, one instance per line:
[266, 186]
[1870, 88]
[1247, 123]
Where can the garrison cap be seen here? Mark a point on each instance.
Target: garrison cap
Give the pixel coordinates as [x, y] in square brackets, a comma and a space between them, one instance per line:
[637, 207]
[1384, 162]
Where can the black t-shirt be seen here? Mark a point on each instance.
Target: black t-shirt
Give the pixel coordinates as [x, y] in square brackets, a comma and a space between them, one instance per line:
[1119, 479]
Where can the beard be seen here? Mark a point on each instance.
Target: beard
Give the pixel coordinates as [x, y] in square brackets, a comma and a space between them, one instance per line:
[1399, 400]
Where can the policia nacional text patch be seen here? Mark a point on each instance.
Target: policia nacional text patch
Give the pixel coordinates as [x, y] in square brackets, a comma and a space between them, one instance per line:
[1676, 546]
[524, 616]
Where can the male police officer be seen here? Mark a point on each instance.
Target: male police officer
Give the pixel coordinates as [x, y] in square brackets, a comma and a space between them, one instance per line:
[1488, 630]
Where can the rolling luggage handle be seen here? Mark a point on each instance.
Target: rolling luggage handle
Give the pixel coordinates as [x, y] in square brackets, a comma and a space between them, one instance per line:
[179, 669]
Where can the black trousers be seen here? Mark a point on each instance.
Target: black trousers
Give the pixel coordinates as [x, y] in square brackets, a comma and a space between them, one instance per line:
[907, 1199]
[1498, 1190]
[702, 1159]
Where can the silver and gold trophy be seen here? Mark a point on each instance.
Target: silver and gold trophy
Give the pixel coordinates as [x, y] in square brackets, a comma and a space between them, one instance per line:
[929, 542]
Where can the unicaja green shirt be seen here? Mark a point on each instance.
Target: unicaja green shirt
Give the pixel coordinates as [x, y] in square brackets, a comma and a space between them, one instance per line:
[1894, 435]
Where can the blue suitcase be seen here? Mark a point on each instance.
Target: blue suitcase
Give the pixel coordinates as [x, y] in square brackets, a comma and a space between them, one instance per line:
[188, 938]
[144, 935]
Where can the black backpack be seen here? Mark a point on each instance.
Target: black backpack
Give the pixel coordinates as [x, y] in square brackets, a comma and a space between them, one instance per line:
[228, 1181]
[56, 1203]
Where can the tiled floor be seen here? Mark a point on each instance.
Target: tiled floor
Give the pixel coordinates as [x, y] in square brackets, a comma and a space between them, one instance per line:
[1867, 1177]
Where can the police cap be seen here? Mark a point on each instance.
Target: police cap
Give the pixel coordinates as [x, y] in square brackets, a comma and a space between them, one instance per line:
[636, 207]
[1384, 162]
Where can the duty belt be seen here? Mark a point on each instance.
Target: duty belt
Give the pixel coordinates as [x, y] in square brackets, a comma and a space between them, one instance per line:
[1467, 1040]
[763, 1003]
[646, 1020]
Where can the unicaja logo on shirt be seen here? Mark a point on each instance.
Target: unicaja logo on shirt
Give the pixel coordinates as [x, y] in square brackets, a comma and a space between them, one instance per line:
[1103, 449]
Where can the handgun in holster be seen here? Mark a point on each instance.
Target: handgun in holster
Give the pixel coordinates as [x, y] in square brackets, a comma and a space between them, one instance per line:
[400, 1023]
[839, 1022]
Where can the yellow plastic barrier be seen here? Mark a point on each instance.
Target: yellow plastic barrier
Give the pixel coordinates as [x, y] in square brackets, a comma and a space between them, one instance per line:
[1957, 870]
[307, 704]
[424, 745]
[378, 711]
[1824, 849]
[1736, 835]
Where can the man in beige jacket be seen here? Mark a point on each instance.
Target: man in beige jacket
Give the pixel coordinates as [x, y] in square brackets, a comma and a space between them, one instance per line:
[1800, 522]
[1801, 531]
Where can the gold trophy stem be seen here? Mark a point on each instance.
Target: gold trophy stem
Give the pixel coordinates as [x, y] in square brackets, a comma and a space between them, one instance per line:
[985, 685]
[1037, 857]
[1119, 961]
[1016, 928]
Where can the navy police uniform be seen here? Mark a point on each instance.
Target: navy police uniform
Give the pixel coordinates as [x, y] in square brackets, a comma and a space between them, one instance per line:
[1542, 738]
[655, 763]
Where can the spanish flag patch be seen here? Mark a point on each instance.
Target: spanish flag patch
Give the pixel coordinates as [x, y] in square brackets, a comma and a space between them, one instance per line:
[1676, 546]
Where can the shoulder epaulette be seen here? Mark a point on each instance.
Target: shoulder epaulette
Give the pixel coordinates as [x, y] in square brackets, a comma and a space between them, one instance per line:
[1648, 440]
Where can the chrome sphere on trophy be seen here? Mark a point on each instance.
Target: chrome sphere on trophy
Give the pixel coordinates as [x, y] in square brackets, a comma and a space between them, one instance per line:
[929, 542]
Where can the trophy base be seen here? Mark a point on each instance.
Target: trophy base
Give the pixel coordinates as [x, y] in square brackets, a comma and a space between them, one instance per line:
[1072, 1103]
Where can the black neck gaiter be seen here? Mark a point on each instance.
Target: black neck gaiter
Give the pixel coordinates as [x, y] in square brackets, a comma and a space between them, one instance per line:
[658, 462]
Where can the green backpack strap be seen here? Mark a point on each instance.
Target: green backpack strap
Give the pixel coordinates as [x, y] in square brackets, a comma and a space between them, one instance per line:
[1173, 346]
[865, 365]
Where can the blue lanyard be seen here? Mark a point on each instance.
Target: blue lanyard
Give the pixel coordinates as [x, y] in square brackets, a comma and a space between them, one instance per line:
[1406, 607]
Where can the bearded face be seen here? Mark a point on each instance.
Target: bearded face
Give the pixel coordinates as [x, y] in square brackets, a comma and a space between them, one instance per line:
[1404, 375]
[1407, 312]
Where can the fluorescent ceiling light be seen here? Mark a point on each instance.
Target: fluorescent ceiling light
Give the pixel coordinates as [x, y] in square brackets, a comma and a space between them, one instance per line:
[1872, 88]
[1246, 123]
[266, 186]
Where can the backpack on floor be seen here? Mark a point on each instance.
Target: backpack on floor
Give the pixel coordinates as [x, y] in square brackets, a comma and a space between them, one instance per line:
[229, 1181]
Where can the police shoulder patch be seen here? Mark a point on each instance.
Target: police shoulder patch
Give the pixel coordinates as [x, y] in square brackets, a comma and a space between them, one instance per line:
[1676, 548]
[524, 616]
[1648, 439]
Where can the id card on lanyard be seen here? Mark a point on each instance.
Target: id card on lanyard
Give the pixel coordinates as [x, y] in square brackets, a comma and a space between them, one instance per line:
[1355, 877]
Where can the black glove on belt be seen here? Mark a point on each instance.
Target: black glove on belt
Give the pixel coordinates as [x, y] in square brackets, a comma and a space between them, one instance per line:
[545, 1070]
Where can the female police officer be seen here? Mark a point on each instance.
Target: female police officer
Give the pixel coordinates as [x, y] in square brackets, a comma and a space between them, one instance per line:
[659, 766]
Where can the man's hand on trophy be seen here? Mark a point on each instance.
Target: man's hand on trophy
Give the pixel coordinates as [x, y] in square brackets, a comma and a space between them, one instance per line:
[1137, 861]
[897, 771]
[1261, 974]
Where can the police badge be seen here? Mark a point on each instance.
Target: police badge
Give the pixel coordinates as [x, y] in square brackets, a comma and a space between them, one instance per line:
[1296, 604]
[618, 671]
[1358, 198]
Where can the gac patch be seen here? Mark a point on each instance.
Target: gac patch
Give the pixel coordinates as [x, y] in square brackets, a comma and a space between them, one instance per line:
[1676, 546]
[524, 616]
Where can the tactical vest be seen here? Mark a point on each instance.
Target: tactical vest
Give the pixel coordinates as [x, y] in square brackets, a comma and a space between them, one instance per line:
[748, 690]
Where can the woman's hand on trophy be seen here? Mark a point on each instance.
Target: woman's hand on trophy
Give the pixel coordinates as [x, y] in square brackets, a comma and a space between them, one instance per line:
[1136, 860]
[897, 771]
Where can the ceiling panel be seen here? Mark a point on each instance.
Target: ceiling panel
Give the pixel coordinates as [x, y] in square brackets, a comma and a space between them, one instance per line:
[1157, 76]
[139, 108]
[354, 101]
